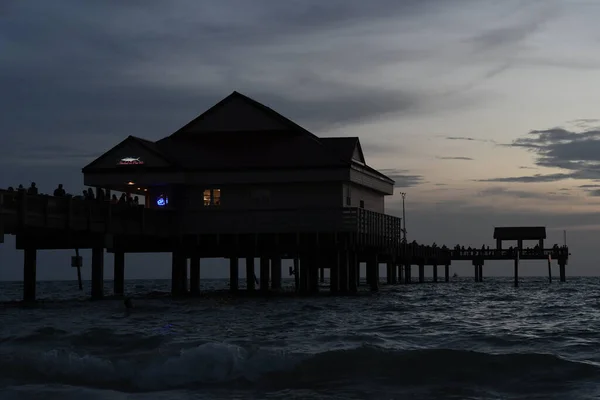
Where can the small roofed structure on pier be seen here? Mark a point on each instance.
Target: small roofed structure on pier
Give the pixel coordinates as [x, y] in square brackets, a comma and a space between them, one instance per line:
[241, 155]
[520, 233]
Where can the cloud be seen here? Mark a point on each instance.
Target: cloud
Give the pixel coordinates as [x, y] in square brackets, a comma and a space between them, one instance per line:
[469, 139]
[576, 152]
[403, 179]
[524, 167]
[530, 179]
[521, 194]
[455, 158]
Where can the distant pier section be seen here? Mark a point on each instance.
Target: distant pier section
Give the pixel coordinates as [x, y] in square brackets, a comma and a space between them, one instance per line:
[242, 182]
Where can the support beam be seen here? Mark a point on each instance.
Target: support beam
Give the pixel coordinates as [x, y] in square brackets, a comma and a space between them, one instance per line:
[476, 268]
[480, 272]
[447, 272]
[195, 274]
[119, 273]
[250, 274]
[234, 274]
[517, 272]
[421, 273]
[322, 275]
[97, 273]
[435, 273]
[29, 274]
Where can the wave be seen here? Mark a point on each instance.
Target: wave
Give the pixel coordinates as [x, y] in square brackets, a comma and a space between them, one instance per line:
[220, 364]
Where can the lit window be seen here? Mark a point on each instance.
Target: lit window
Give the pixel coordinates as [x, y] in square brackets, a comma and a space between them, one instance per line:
[212, 197]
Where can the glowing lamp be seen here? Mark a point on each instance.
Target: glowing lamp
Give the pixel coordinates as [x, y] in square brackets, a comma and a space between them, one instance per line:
[131, 183]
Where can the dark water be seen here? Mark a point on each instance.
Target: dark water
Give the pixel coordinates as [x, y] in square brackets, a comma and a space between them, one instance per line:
[435, 341]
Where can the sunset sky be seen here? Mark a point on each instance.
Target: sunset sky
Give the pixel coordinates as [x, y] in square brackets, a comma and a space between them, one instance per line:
[485, 112]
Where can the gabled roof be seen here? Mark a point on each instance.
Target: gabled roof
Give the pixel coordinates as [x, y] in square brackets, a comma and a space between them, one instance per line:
[348, 147]
[226, 105]
[143, 143]
[520, 233]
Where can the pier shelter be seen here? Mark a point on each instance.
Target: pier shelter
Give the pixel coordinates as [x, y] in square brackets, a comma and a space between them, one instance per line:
[244, 181]
[519, 234]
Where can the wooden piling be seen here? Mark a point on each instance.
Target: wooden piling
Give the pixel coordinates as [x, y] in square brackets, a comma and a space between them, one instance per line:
[447, 273]
[264, 274]
[29, 273]
[97, 273]
[250, 274]
[297, 273]
[352, 268]
[562, 270]
[480, 272]
[435, 273]
[373, 272]
[421, 272]
[334, 272]
[344, 271]
[276, 273]
[119, 273]
[234, 274]
[517, 271]
[195, 274]
[549, 270]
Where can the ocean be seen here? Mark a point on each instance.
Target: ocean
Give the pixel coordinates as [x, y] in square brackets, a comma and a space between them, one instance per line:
[457, 340]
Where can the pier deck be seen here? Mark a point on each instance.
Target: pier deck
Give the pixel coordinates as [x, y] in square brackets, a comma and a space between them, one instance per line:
[325, 238]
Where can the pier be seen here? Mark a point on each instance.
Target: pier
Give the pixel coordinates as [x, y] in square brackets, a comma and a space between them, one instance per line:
[241, 181]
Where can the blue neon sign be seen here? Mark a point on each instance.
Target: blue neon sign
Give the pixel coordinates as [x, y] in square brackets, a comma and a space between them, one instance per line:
[162, 201]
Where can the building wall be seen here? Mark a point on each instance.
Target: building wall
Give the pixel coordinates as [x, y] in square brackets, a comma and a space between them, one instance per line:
[271, 196]
[373, 201]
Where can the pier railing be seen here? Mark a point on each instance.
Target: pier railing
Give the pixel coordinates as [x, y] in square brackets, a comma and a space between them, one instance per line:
[20, 210]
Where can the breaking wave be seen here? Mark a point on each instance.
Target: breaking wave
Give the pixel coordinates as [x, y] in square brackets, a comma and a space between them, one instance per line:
[219, 364]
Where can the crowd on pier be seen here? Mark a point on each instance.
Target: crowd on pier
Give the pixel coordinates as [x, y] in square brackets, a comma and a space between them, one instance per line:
[416, 249]
[87, 194]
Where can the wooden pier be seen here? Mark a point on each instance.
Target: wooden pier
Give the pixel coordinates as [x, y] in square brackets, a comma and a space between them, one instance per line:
[238, 181]
[346, 237]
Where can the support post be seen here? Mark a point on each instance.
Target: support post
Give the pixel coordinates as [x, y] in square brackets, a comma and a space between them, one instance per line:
[97, 273]
[435, 271]
[297, 273]
[250, 282]
[304, 274]
[334, 272]
[476, 267]
[549, 269]
[264, 274]
[344, 271]
[373, 272]
[322, 275]
[276, 273]
[313, 274]
[119, 273]
[234, 274]
[178, 266]
[407, 273]
[562, 270]
[421, 272]
[447, 272]
[517, 272]
[29, 273]
[195, 274]
[480, 273]
[352, 271]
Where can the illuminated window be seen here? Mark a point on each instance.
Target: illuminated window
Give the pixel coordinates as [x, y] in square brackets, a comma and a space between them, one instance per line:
[212, 197]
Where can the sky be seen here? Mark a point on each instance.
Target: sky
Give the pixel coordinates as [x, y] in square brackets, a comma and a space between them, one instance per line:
[484, 112]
